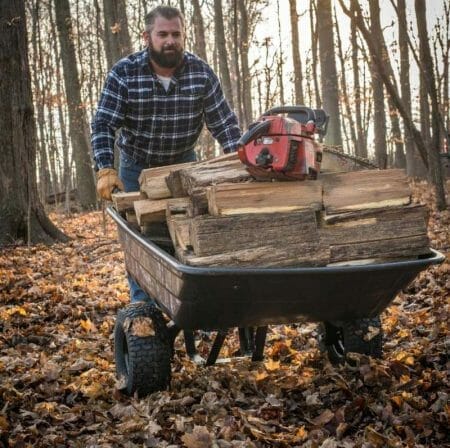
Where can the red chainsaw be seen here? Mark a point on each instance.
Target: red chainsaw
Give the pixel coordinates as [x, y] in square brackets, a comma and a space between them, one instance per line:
[282, 146]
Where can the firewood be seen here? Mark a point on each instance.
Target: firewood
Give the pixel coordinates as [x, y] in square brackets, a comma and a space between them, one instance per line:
[178, 222]
[212, 235]
[361, 190]
[124, 201]
[152, 181]
[380, 233]
[263, 197]
[302, 254]
[150, 210]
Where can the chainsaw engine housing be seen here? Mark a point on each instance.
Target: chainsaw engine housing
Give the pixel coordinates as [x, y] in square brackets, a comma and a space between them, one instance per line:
[281, 146]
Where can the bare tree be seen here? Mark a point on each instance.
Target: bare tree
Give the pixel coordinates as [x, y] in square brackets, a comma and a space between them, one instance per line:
[361, 141]
[298, 77]
[246, 78]
[21, 213]
[314, 45]
[222, 52]
[414, 166]
[379, 113]
[328, 75]
[199, 31]
[117, 36]
[77, 117]
[393, 92]
[435, 169]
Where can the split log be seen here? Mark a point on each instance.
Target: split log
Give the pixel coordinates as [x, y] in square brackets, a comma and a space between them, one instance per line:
[125, 201]
[377, 234]
[263, 197]
[178, 221]
[149, 210]
[152, 181]
[212, 235]
[298, 255]
[368, 189]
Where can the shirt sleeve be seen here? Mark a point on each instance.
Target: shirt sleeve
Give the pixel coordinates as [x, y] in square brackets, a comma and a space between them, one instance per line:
[108, 118]
[219, 118]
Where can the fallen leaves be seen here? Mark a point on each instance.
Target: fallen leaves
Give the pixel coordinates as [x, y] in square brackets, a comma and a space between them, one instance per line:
[57, 383]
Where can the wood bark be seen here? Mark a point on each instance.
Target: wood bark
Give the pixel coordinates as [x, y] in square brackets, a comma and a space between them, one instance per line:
[246, 78]
[298, 76]
[314, 49]
[199, 31]
[222, 52]
[117, 36]
[361, 140]
[328, 77]
[345, 93]
[77, 117]
[22, 215]
[413, 162]
[379, 114]
[435, 168]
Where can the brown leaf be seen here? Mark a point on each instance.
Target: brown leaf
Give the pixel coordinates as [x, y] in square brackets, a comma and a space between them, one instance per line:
[141, 326]
[323, 418]
[199, 438]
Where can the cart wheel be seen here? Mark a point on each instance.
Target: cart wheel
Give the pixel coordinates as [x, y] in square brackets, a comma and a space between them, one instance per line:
[361, 336]
[142, 349]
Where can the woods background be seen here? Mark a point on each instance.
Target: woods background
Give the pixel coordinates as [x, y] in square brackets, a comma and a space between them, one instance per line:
[382, 77]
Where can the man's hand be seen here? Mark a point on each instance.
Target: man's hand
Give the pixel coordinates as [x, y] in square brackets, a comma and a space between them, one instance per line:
[107, 180]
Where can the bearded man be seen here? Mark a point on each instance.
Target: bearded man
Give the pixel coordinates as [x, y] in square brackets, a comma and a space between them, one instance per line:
[158, 99]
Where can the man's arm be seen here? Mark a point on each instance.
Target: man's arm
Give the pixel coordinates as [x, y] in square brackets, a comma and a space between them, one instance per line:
[220, 119]
[108, 118]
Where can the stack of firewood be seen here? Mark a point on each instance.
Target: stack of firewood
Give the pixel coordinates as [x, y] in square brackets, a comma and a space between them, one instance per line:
[216, 214]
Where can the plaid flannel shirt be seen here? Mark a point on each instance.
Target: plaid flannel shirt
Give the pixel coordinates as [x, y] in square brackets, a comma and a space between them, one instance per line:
[158, 126]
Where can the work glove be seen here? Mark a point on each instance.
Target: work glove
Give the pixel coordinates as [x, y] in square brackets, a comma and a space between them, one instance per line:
[107, 181]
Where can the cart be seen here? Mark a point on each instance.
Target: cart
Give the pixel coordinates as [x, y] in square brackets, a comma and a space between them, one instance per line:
[346, 300]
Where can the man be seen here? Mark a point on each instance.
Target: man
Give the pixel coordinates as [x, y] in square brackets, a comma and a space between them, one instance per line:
[159, 98]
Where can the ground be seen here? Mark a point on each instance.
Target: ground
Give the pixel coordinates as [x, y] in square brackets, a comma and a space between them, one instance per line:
[57, 379]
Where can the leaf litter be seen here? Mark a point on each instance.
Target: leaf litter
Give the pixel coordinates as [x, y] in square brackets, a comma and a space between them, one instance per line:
[57, 379]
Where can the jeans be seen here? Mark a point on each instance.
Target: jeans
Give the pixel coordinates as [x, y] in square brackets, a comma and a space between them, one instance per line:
[129, 172]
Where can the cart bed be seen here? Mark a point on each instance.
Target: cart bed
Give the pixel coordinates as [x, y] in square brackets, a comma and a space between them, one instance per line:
[219, 297]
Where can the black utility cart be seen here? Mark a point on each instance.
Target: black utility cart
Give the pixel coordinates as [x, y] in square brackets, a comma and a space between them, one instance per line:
[346, 300]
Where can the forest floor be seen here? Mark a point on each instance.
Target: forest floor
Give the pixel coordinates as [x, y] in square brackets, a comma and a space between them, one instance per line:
[57, 377]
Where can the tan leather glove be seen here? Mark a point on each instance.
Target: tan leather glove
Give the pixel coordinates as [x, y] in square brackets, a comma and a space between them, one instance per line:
[107, 180]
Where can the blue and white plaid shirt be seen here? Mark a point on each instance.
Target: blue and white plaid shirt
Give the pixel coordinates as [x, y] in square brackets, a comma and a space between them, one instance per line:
[158, 126]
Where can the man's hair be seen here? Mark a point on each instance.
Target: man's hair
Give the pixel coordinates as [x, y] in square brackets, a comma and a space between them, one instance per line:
[168, 12]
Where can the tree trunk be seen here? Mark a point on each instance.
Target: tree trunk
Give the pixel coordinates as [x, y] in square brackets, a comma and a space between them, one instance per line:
[222, 52]
[379, 114]
[280, 63]
[77, 117]
[246, 79]
[21, 213]
[298, 77]
[117, 37]
[328, 77]
[346, 99]
[361, 145]
[199, 31]
[434, 166]
[237, 71]
[414, 166]
[314, 43]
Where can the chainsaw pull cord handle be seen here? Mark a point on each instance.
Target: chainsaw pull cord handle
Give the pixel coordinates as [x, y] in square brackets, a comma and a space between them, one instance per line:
[256, 130]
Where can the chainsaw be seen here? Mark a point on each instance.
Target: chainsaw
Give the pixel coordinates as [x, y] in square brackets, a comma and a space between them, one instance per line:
[283, 146]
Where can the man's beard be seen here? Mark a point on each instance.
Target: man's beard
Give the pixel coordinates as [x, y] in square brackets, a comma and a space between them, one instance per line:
[165, 59]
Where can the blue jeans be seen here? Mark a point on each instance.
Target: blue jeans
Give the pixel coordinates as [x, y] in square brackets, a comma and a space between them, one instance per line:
[129, 172]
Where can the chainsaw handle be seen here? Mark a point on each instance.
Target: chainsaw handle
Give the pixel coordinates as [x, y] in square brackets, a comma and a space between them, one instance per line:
[256, 130]
[310, 114]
